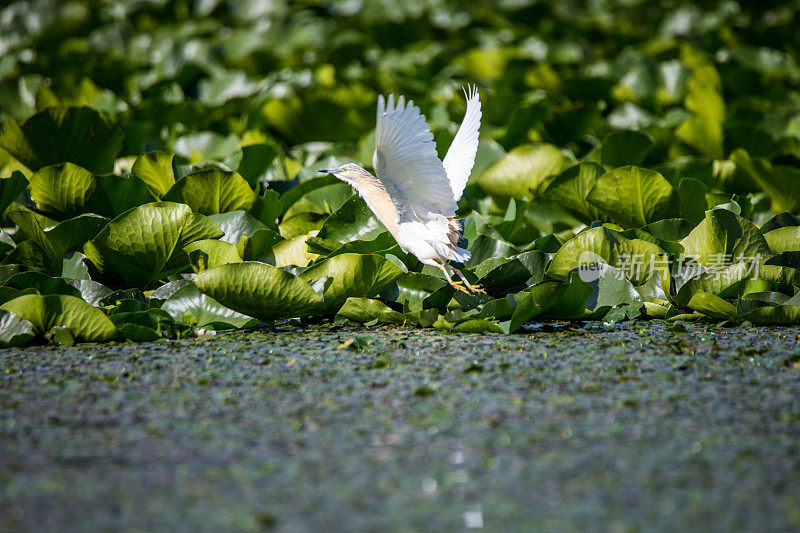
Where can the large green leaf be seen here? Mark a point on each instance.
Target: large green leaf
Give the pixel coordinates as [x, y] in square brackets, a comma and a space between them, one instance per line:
[633, 196]
[146, 243]
[704, 99]
[235, 225]
[256, 159]
[638, 259]
[348, 275]
[84, 322]
[773, 315]
[259, 245]
[416, 291]
[155, 169]
[560, 300]
[352, 221]
[208, 253]
[570, 189]
[294, 194]
[14, 331]
[259, 290]
[79, 135]
[785, 239]
[42, 283]
[524, 171]
[114, 195]
[692, 195]
[54, 242]
[368, 310]
[190, 306]
[62, 190]
[724, 238]
[10, 189]
[213, 191]
[712, 306]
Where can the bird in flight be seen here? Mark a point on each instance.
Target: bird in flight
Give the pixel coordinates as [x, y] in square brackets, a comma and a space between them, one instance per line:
[415, 194]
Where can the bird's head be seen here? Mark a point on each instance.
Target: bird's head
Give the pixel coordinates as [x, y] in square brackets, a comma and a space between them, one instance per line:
[350, 173]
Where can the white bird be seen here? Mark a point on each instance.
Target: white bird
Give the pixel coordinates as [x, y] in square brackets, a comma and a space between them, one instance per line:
[415, 194]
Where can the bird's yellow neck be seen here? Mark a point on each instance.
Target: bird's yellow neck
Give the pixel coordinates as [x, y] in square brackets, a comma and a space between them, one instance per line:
[380, 203]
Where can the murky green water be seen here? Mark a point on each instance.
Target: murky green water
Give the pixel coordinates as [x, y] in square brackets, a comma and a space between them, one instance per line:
[567, 427]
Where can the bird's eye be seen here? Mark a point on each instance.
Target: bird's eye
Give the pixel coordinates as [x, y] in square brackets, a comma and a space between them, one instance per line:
[341, 169]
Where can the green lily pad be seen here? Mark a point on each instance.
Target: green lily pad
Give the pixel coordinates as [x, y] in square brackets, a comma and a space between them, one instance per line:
[10, 189]
[208, 253]
[156, 170]
[190, 306]
[417, 292]
[559, 300]
[773, 315]
[146, 243]
[633, 197]
[114, 195]
[69, 235]
[42, 283]
[781, 220]
[779, 182]
[258, 290]
[14, 331]
[235, 225]
[692, 198]
[638, 259]
[352, 221]
[712, 306]
[213, 191]
[206, 145]
[256, 159]
[365, 310]
[724, 238]
[78, 135]
[524, 171]
[570, 189]
[785, 239]
[259, 245]
[84, 322]
[62, 190]
[350, 275]
[478, 325]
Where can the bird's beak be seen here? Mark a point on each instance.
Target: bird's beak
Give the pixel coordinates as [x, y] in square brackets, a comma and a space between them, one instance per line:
[325, 171]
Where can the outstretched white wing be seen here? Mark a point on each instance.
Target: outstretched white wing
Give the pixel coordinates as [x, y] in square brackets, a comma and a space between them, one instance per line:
[460, 156]
[406, 162]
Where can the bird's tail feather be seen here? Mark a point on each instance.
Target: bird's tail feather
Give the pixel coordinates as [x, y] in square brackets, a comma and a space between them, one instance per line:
[460, 255]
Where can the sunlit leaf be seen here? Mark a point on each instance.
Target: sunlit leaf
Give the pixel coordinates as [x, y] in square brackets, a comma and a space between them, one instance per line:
[146, 243]
[190, 306]
[524, 171]
[155, 169]
[258, 290]
[369, 310]
[213, 191]
[633, 196]
[356, 275]
[84, 322]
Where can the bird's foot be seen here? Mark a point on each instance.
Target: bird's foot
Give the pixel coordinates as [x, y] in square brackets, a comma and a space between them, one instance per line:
[459, 287]
[476, 289]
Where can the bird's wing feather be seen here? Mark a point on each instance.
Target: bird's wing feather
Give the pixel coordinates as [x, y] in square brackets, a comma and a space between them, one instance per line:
[460, 156]
[406, 162]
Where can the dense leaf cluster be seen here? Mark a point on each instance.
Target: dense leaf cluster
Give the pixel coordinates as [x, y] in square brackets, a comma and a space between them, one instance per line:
[158, 163]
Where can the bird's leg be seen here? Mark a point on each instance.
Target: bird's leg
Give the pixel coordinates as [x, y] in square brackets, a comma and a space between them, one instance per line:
[457, 284]
[470, 286]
